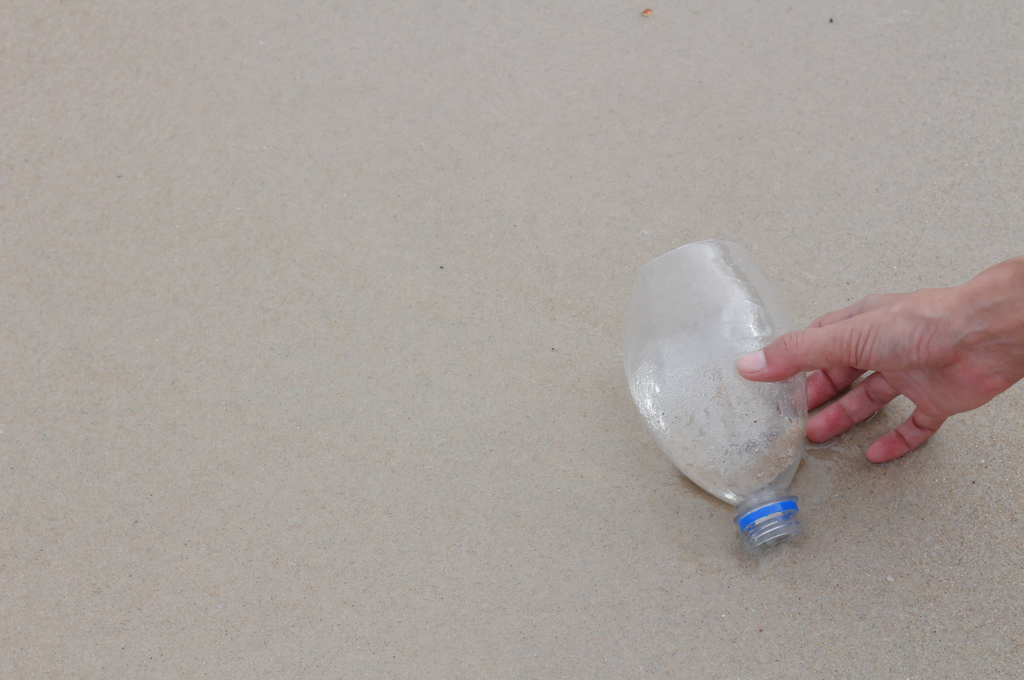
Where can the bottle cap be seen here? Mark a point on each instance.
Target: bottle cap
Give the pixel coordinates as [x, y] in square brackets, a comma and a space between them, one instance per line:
[770, 523]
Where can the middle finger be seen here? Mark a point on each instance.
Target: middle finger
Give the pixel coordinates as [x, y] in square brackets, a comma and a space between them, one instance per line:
[855, 406]
[825, 385]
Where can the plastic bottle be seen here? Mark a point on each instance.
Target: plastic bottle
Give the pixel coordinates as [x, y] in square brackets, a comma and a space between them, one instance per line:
[693, 313]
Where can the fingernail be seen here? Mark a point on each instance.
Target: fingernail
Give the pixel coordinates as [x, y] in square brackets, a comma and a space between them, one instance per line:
[752, 363]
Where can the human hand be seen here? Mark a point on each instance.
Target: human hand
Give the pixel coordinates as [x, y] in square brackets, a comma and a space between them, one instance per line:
[948, 350]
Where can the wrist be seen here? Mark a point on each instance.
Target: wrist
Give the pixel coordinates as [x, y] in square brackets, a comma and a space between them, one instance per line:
[990, 313]
[994, 299]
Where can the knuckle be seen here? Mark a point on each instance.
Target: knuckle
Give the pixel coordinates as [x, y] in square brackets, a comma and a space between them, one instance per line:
[830, 381]
[790, 346]
[848, 415]
[828, 319]
[925, 423]
[876, 390]
[788, 342]
[926, 342]
[857, 345]
[903, 438]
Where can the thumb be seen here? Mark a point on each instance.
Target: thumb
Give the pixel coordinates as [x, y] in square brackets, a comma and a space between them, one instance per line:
[806, 350]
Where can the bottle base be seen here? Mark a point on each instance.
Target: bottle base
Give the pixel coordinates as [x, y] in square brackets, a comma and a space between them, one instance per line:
[769, 524]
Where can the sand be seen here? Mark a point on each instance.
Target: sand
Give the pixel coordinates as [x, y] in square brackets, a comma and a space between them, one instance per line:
[310, 325]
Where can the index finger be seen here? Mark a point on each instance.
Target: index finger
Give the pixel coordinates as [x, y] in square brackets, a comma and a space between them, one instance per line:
[807, 350]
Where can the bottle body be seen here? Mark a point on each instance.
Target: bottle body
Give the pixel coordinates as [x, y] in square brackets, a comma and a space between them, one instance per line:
[693, 312]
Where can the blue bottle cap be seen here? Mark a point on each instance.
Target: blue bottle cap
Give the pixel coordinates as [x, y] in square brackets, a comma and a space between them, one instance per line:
[770, 523]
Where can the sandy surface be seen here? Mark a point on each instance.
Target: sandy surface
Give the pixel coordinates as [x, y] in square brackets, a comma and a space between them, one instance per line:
[310, 319]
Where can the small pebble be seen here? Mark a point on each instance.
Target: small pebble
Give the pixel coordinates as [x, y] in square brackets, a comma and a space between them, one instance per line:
[890, 579]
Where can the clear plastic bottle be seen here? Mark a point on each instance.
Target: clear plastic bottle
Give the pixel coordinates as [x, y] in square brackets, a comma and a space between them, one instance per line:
[693, 313]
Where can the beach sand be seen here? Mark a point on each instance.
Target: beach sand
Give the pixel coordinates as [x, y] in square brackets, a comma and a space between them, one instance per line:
[310, 324]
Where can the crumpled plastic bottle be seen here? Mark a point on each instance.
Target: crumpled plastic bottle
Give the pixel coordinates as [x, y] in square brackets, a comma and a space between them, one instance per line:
[692, 314]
